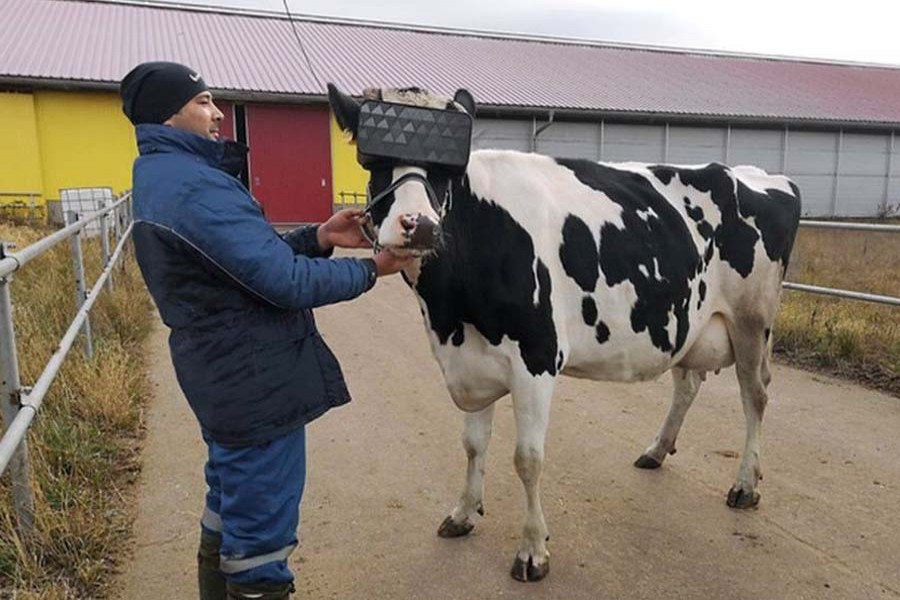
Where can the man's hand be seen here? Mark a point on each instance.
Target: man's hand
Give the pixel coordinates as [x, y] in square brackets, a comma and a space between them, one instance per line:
[387, 263]
[342, 230]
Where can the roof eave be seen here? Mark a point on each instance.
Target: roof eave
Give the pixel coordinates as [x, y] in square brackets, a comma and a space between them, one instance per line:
[24, 83]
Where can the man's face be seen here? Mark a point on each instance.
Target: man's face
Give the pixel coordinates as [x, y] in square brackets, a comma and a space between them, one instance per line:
[199, 115]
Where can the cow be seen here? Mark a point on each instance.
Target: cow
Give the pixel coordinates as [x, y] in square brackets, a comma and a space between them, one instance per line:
[530, 267]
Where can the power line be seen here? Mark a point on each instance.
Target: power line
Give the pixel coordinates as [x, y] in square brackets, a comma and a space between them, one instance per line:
[290, 17]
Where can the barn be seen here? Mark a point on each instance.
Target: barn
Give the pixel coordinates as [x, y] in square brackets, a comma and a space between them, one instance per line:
[830, 126]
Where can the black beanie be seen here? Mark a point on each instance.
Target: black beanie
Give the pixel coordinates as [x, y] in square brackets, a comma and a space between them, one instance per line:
[154, 91]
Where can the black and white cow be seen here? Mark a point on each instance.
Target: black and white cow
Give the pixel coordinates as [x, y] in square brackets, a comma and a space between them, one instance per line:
[616, 272]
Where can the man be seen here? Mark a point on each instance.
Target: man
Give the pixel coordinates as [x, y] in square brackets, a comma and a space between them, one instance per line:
[238, 299]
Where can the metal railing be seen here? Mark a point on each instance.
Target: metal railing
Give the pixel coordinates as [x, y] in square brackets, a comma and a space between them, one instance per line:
[18, 206]
[865, 297]
[20, 404]
[355, 197]
[349, 200]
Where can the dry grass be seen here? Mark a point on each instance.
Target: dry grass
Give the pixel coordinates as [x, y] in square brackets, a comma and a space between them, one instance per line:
[84, 444]
[859, 340]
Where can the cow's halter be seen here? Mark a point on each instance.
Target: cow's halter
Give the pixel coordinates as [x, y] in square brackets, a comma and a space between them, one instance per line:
[371, 202]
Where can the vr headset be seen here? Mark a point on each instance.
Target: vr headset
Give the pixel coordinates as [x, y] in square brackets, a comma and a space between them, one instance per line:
[390, 133]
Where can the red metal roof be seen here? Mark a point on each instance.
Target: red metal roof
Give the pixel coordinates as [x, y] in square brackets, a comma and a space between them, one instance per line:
[99, 42]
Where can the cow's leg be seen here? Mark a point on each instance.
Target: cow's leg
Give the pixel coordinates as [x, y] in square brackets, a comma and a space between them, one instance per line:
[751, 366]
[686, 385]
[531, 402]
[476, 436]
[765, 372]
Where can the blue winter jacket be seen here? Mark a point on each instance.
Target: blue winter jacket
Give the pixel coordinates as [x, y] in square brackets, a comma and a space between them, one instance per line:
[236, 295]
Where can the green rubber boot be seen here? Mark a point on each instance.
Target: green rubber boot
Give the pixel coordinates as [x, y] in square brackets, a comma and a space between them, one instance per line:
[209, 578]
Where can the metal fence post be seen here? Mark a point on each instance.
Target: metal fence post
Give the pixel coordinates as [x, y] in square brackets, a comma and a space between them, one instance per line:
[80, 287]
[10, 389]
[117, 223]
[122, 220]
[104, 246]
[129, 206]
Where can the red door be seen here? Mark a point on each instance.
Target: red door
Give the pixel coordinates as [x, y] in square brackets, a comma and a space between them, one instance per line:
[290, 162]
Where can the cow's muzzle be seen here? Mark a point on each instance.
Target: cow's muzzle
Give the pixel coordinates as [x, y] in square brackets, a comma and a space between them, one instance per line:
[419, 231]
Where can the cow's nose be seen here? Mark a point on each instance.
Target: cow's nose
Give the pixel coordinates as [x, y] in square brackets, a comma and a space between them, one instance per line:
[425, 234]
[408, 222]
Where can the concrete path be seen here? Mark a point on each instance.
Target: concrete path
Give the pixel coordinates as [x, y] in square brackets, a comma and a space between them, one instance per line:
[386, 469]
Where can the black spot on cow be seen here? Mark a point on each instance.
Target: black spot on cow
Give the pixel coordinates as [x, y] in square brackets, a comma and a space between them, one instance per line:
[458, 336]
[472, 278]
[702, 293]
[578, 254]
[704, 228]
[654, 251]
[664, 174]
[776, 213]
[589, 311]
[602, 332]
[381, 179]
[694, 212]
[559, 361]
[708, 255]
[777, 217]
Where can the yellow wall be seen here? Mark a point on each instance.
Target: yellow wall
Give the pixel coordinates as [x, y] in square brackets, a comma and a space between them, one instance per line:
[85, 141]
[66, 139]
[20, 160]
[346, 174]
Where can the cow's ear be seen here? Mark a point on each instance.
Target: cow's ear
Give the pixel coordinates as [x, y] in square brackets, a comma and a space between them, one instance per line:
[346, 110]
[465, 99]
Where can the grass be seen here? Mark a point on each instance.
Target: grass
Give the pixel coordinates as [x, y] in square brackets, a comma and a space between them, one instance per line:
[84, 444]
[852, 339]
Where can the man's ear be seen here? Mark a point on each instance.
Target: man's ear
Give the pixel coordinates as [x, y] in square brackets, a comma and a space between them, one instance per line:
[346, 110]
[465, 99]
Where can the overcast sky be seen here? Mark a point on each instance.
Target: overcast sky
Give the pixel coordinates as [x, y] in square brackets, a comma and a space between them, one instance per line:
[861, 30]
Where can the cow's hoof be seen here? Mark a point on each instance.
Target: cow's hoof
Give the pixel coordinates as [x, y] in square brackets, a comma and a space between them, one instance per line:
[738, 498]
[645, 461]
[528, 571]
[449, 529]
